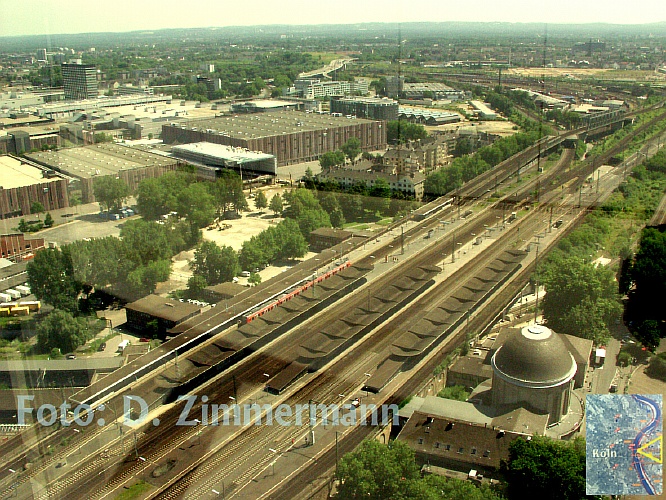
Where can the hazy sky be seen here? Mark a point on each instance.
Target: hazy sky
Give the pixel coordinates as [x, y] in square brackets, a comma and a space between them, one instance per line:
[28, 17]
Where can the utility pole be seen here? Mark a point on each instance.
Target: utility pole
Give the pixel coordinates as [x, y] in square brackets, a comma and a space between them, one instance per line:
[402, 240]
[233, 380]
[550, 224]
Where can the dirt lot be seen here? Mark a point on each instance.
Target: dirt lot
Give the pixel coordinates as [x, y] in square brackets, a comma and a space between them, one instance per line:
[642, 384]
[503, 128]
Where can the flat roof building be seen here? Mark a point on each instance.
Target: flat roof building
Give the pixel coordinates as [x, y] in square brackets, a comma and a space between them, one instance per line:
[221, 156]
[22, 184]
[483, 111]
[291, 136]
[167, 312]
[88, 162]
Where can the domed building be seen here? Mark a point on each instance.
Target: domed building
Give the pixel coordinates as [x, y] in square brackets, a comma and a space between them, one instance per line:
[534, 368]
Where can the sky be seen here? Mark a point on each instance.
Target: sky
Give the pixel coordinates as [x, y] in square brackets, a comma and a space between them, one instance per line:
[33, 17]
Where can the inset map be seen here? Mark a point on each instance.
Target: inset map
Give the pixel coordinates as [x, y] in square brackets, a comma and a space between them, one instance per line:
[624, 444]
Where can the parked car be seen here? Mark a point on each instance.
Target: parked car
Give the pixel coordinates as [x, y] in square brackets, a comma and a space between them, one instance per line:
[144, 339]
[102, 346]
[245, 274]
[71, 355]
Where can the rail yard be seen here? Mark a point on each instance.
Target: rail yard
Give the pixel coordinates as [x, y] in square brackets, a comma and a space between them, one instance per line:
[372, 317]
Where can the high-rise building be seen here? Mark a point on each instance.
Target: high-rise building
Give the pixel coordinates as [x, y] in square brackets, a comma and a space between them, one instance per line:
[41, 54]
[79, 80]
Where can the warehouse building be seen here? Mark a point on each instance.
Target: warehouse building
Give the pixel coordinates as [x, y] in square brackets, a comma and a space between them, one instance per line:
[291, 136]
[24, 183]
[88, 162]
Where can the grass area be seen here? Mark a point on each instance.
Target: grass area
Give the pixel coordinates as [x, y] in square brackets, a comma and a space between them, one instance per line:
[135, 491]
[326, 57]
[356, 225]
[385, 222]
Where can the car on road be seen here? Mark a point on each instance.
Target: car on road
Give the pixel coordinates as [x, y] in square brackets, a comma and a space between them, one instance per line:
[144, 339]
[71, 355]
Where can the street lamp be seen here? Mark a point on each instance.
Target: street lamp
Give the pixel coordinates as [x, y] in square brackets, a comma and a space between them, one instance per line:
[78, 432]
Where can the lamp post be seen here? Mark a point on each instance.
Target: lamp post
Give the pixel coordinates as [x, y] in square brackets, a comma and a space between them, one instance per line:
[78, 432]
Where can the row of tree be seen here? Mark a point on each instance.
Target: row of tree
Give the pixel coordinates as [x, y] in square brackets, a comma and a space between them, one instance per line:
[467, 167]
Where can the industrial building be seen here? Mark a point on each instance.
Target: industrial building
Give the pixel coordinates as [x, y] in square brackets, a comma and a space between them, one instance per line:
[427, 116]
[79, 81]
[291, 136]
[24, 183]
[483, 111]
[218, 156]
[372, 108]
[437, 91]
[88, 162]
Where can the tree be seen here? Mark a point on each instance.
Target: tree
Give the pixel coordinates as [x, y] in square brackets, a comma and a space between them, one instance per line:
[144, 241]
[456, 392]
[649, 275]
[352, 148]
[332, 159]
[48, 220]
[376, 471]
[260, 200]
[61, 330]
[648, 333]
[581, 300]
[36, 207]
[214, 263]
[545, 468]
[276, 205]
[399, 131]
[51, 278]
[657, 367]
[197, 204]
[195, 286]
[144, 279]
[254, 279]
[110, 191]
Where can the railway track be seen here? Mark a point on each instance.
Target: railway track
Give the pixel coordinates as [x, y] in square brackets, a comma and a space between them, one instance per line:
[379, 341]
